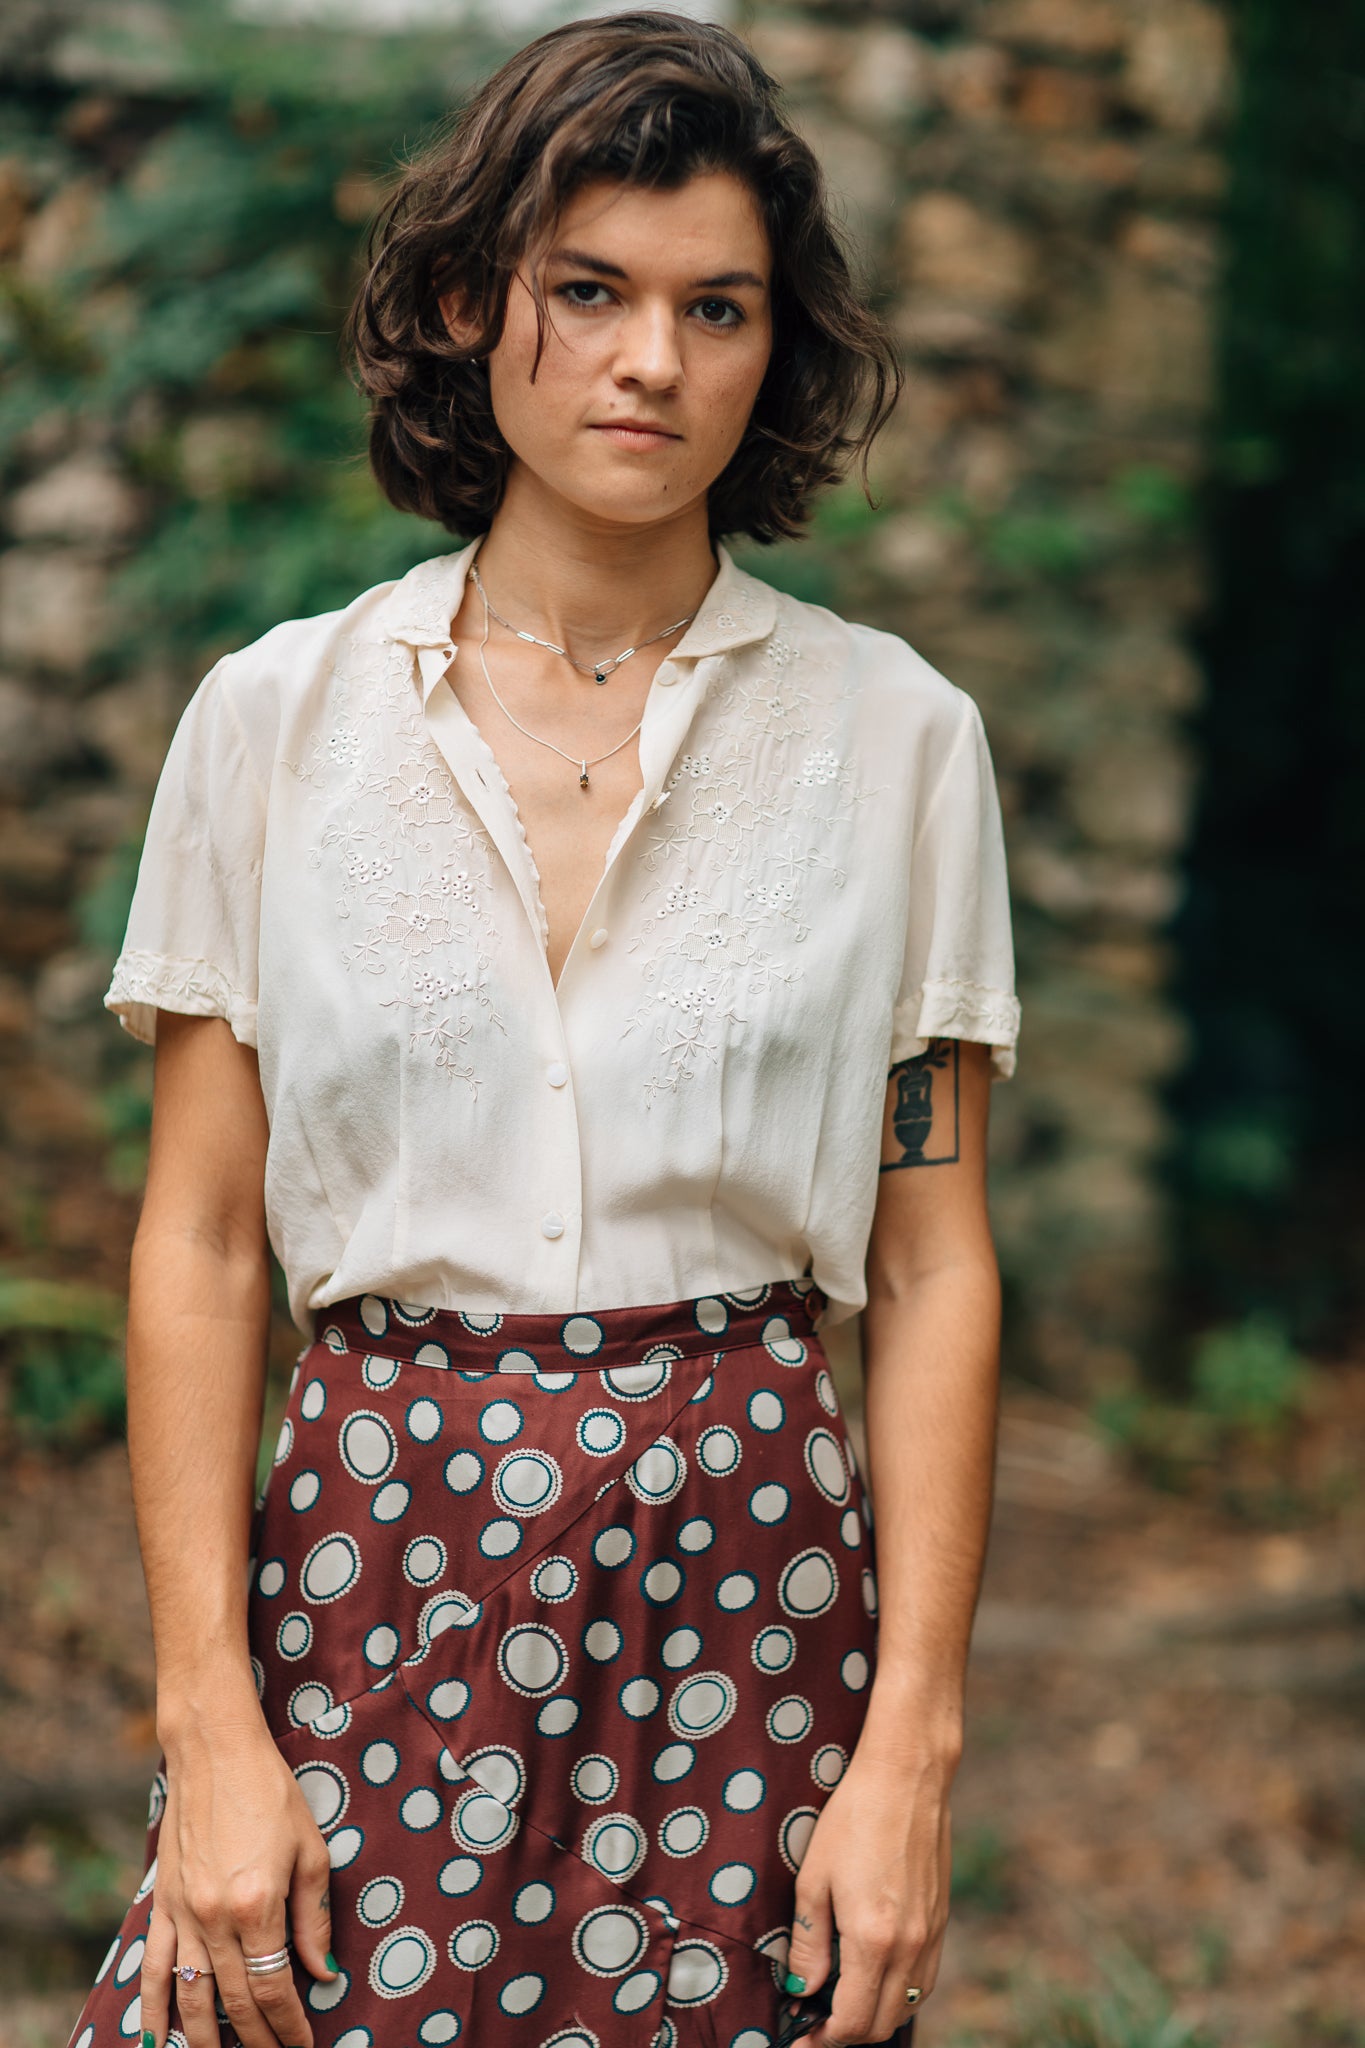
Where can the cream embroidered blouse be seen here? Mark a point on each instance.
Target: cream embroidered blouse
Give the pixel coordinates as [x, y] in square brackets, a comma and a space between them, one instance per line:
[810, 885]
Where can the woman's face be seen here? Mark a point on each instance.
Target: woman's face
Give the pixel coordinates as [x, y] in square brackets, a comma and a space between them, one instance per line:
[661, 314]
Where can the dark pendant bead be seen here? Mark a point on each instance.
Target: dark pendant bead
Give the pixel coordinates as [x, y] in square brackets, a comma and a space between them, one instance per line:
[598, 678]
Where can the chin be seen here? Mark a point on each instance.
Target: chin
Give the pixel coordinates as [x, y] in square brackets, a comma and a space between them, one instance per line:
[613, 506]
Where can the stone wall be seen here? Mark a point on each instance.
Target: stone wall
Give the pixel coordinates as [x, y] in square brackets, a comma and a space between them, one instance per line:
[1035, 184]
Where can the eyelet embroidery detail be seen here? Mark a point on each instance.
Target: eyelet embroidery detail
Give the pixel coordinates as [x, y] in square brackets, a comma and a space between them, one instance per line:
[413, 869]
[195, 987]
[759, 811]
[413, 872]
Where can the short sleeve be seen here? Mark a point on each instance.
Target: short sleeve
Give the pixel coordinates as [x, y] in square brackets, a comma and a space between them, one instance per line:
[957, 979]
[193, 927]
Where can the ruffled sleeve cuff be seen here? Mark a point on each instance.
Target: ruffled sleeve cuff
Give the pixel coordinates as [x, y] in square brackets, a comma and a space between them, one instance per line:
[144, 983]
[958, 1009]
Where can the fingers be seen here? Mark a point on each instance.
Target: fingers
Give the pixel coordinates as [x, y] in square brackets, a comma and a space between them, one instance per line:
[265, 2008]
[158, 1960]
[198, 2013]
[168, 1946]
[310, 1912]
[812, 1924]
[878, 1963]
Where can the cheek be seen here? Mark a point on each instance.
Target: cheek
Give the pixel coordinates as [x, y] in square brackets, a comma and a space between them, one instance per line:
[728, 390]
[535, 414]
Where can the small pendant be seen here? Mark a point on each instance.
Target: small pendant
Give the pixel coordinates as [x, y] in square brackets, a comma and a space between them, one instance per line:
[598, 677]
[583, 776]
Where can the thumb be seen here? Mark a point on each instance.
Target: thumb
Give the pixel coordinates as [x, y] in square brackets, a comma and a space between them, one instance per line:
[808, 1959]
[310, 1912]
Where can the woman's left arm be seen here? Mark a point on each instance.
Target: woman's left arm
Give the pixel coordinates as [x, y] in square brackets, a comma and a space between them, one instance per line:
[878, 1866]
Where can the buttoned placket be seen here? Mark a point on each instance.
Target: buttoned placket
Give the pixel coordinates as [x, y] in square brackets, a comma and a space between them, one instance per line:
[670, 707]
[676, 692]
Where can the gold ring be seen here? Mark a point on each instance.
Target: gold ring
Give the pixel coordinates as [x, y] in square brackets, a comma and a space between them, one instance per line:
[913, 1995]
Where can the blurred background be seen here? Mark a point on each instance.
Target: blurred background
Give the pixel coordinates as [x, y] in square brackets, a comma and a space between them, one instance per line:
[1122, 503]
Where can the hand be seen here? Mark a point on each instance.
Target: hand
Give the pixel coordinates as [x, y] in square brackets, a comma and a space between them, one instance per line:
[237, 1847]
[879, 1868]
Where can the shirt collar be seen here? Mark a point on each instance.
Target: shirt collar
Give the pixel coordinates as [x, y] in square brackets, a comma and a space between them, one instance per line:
[737, 610]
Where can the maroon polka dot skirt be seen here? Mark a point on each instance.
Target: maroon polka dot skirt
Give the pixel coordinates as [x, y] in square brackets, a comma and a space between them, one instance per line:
[565, 1625]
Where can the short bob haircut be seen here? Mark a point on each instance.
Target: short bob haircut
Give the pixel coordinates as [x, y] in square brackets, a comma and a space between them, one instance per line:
[646, 99]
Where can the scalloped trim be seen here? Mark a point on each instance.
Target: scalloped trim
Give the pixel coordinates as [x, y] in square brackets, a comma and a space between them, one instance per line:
[958, 1009]
[497, 769]
[144, 983]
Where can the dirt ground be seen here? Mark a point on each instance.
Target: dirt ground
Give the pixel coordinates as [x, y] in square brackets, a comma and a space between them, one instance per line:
[1161, 1804]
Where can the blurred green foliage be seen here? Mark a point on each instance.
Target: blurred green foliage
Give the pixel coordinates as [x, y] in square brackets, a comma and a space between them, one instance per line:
[1041, 537]
[982, 1870]
[214, 278]
[1072, 2019]
[812, 567]
[126, 1112]
[1249, 1388]
[1250, 1376]
[1129, 2008]
[1271, 935]
[197, 321]
[100, 911]
[61, 1343]
[67, 1305]
[67, 1390]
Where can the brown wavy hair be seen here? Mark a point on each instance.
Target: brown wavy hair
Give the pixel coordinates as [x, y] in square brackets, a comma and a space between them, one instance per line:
[646, 99]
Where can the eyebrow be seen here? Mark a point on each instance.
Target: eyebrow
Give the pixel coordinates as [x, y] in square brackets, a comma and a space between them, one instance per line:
[582, 260]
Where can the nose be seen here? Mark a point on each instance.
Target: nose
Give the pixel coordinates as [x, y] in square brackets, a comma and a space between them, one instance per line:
[647, 348]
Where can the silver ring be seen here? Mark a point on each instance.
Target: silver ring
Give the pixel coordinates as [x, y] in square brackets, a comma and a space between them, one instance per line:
[265, 1966]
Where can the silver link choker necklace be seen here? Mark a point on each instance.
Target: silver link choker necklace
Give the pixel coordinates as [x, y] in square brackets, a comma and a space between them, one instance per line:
[598, 670]
[582, 764]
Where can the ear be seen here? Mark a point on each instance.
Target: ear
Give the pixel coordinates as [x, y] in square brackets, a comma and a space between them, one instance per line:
[461, 330]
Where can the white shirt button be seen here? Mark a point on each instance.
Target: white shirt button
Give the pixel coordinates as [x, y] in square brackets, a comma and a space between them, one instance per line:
[598, 938]
[552, 1225]
[665, 673]
[556, 1073]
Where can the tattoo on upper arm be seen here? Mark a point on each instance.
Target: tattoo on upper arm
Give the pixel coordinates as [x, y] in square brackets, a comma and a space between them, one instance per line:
[924, 1114]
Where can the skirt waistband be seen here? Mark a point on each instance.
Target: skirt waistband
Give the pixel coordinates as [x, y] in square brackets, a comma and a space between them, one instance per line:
[462, 1340]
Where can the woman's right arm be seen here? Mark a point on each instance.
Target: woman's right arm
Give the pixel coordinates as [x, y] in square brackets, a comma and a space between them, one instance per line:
[237, 1842]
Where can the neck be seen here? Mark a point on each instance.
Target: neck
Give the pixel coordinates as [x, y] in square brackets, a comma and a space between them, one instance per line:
[593, 586]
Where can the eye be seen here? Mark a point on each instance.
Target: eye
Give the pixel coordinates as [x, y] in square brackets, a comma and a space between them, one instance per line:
[715, 312]
[582, 284]
[730, 306]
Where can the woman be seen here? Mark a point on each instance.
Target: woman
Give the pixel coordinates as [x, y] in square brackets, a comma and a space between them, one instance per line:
[565, 957]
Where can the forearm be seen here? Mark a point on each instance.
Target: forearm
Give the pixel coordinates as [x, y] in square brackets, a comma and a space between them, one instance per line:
[931, 1366]
[198, 1322]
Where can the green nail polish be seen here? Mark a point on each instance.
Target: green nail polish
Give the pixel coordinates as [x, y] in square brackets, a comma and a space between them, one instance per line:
[332, 1962]
[148, 2039]
[796, 1985]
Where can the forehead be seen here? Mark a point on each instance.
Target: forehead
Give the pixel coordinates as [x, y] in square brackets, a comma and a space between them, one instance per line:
[714, 214]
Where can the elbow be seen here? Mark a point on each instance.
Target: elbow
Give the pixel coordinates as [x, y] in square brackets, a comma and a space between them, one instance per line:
[969, 1272]
[230, 1251]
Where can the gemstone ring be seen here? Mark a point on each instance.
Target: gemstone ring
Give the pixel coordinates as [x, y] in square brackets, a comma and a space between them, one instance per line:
[187, 1972]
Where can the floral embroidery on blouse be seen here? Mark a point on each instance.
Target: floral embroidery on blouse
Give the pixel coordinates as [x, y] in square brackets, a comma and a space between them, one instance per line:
[812, 887]
[735, 864]
[196, 988]
[412, 870]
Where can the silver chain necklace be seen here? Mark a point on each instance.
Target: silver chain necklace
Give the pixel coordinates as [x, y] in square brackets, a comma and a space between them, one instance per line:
[581, 764]
[598, 670]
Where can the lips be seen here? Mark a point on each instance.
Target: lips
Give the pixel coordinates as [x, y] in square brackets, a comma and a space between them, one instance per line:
[637, 427]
